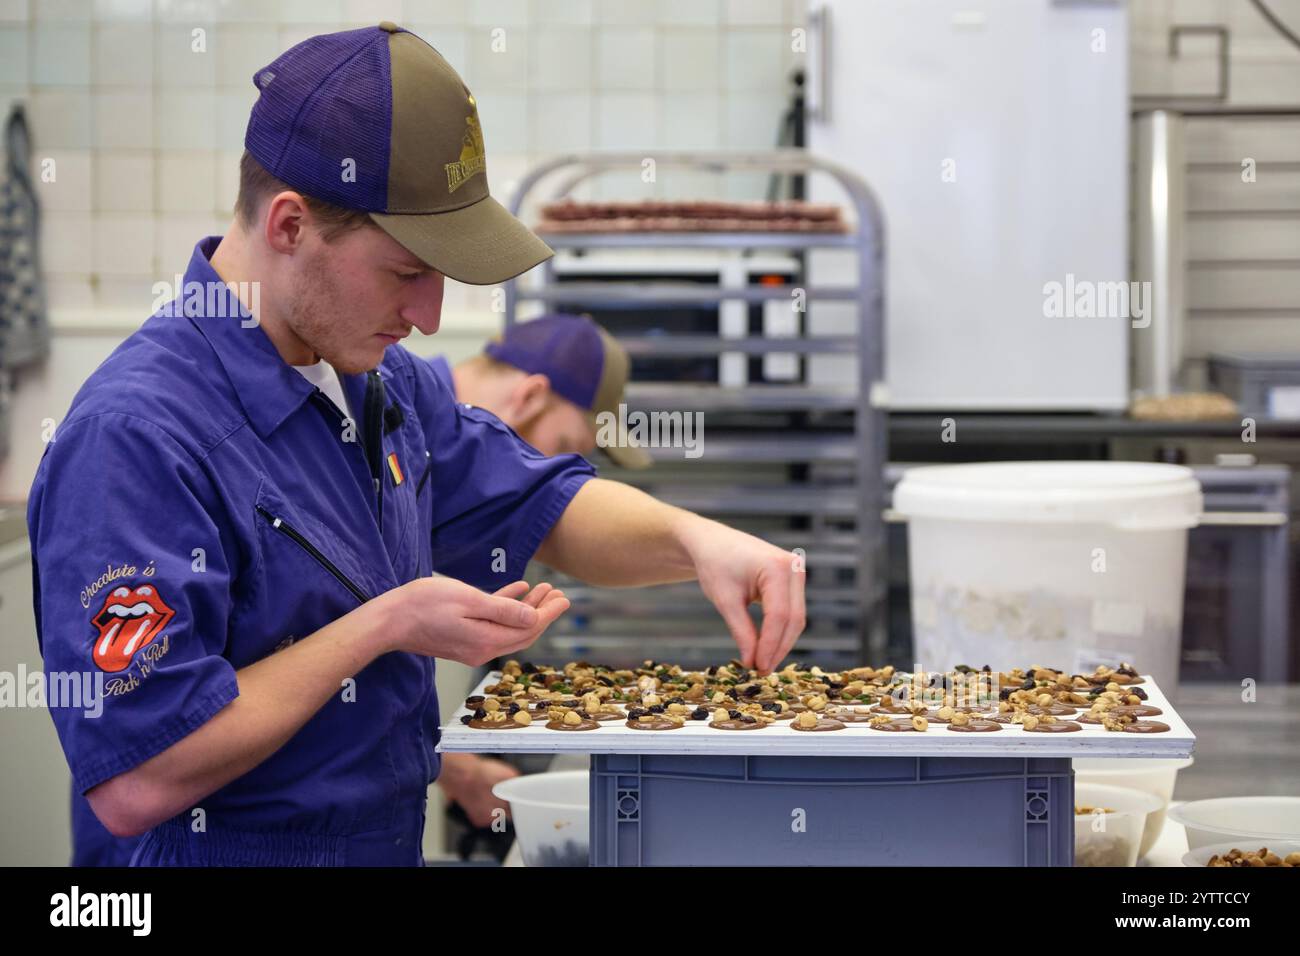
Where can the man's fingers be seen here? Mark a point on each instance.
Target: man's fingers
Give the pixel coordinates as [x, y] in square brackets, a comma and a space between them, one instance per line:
[798, 617]
[514, 589]
[774, 594]
[736, 613]
[538, 594]
[502, 610]
[550, 610]
[505, 639]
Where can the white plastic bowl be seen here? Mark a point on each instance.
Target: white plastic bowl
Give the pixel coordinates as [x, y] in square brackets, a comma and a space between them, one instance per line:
[1110, 839]
[1258, 821]
[550, 813]
[1201, 855]
[1153, 775]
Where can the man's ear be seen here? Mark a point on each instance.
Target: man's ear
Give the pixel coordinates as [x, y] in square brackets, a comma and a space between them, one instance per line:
[286, 215]
[530, 398]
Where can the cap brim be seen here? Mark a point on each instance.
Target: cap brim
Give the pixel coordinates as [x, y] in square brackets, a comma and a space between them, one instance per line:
[478, 244]
[625, 456]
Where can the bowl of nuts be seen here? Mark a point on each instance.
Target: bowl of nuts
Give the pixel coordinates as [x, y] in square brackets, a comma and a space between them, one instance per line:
[1154, 775]
[1108, 823]
[550, 814]
[1244, 854]
[1250, 821]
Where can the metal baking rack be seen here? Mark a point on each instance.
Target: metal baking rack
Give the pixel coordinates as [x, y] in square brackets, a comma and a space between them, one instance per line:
[798, 463]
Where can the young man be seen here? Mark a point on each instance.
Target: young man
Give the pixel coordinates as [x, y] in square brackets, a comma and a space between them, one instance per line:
[546, 379]
[262, 520]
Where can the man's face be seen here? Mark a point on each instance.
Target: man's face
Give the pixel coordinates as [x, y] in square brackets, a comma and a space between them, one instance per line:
[356, 295]
[560, 427]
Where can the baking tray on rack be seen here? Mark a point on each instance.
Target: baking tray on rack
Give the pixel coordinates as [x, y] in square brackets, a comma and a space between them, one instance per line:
[855, 740]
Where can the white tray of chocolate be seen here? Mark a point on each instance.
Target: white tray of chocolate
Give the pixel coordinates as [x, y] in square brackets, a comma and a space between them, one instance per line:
[662, 708]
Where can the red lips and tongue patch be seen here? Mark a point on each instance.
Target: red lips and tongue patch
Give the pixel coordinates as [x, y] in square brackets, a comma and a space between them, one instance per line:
[130, 619]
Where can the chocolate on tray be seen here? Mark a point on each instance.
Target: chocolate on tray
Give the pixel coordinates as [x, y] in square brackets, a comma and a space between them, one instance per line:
[660, 696]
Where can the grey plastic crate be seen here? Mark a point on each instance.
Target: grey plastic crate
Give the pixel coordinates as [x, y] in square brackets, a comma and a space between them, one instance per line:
[857, 811]
[1251, 379]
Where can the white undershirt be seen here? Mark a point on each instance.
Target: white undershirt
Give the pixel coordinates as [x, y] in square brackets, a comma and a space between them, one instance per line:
[323, 376]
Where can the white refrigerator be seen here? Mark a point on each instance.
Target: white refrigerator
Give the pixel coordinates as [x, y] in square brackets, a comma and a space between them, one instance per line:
[995, 136]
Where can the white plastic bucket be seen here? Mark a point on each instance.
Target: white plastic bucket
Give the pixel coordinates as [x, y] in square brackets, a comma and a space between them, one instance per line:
[550, 814]
[1063, 564]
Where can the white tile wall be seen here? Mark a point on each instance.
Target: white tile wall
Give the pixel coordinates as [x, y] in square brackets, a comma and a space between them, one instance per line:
[124, 54]
[561, 59]
[124, 180]
[63, 182]
[625, 60]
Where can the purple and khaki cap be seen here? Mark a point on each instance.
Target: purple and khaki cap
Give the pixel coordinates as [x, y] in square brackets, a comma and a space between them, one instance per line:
[584, 363]
[376, 120]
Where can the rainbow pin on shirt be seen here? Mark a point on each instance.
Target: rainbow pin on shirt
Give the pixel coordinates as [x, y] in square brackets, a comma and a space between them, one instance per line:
[395, 469]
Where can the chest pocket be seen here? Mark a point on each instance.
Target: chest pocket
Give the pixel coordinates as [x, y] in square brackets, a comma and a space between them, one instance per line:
[305, 576]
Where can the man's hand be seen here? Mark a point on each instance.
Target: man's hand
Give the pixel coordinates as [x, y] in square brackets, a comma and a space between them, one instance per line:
[443, 617]
[468, 779]
[735, 570]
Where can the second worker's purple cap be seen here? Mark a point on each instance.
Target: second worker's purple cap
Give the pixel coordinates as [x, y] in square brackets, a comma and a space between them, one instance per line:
[584, 363]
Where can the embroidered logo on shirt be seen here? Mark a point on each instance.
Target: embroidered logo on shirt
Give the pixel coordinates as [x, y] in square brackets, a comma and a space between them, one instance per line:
[130, 619]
